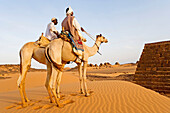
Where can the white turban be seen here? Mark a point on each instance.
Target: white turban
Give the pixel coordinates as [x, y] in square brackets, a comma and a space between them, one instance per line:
[70, 10]
[53, 19]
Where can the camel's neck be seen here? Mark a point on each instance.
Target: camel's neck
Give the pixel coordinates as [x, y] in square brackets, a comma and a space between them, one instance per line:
[93, 50]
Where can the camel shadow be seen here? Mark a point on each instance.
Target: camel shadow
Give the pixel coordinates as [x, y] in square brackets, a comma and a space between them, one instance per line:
[44, 103]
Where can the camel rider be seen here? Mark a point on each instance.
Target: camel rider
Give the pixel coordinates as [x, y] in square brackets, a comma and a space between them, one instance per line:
[51, 32]
[71, 25]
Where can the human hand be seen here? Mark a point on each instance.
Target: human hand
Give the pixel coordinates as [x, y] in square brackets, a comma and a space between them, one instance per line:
[82, 29]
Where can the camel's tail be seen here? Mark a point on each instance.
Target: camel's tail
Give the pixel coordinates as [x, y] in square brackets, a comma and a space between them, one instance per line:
[58, 66]
[20, 62]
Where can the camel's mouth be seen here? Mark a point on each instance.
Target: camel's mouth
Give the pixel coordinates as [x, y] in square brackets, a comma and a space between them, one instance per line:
[106, 41]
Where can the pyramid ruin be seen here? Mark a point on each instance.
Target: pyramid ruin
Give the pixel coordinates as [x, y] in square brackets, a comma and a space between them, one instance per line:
[153, 69]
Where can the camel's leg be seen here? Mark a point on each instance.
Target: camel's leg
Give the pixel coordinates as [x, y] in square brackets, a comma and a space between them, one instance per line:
[25, 96]
[59, 81]
[52, 83]
[81, 78]
[21, 83]
[84, 78]
[20, 86]
[49, 69]
[25, 62]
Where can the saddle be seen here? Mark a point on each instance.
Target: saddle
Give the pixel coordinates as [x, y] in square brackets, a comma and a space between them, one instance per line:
[65, 36]
[42, 41]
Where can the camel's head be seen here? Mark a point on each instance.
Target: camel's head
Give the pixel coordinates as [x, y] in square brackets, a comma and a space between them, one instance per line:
[42, 40]
[101, 38]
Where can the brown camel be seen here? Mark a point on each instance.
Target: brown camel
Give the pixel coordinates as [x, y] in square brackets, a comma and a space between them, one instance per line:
[58, 53]
[28, 51]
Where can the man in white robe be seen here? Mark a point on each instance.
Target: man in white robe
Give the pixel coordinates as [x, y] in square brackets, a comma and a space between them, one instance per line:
[71, 25]
[51, 31]
[69, 11]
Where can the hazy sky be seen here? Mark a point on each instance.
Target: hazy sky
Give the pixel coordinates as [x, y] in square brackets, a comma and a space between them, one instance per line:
[127, 24]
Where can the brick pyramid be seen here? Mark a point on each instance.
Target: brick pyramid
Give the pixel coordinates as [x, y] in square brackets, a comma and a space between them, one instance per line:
[153, 69]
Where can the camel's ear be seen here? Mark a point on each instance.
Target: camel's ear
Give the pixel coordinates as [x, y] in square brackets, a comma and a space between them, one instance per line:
[100, 35]
[42, 34]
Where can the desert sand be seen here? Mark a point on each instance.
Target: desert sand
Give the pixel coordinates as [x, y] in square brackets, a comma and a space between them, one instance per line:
[107, 96]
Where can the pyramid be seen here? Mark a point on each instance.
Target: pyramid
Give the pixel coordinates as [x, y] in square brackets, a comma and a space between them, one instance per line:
[153, 69]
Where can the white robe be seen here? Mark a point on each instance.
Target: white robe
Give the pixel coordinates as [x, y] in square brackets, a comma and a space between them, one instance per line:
[49, 31]
[78, 27]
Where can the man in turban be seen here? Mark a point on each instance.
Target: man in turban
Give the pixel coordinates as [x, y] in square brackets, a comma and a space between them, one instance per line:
[71, 25]
[51, 32]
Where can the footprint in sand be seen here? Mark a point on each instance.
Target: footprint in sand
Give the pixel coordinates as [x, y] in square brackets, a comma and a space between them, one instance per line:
[37, 107]
[18, 105]
[67, 102]
[73, 94]
[91, 92]
[11, 106]
[48, 106]
[62, 97]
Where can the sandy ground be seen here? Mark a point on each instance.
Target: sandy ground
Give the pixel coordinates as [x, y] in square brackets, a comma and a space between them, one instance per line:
[111, 96]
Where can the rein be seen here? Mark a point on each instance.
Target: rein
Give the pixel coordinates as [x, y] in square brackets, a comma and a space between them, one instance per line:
[93, 40]
[98, 49]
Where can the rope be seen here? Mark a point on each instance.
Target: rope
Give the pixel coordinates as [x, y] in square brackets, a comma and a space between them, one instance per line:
[90, 35]
[93, 40]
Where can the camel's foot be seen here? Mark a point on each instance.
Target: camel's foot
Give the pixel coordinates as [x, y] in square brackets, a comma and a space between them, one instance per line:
[24, 105]
[27, 100]
[87, 95]
[52, 101]
[58, 96]
[81, 92]
[60, 105]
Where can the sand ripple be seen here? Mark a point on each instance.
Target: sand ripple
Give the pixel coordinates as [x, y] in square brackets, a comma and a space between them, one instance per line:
[106, 97]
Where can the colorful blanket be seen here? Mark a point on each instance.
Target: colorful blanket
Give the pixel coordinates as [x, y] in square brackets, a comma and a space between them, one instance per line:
[78, 44]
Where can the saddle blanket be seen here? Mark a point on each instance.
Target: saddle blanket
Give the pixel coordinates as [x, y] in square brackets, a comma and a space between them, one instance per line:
[77, 44]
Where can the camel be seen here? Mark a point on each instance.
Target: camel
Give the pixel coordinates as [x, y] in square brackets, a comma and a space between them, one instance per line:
[28, 51]
[58, 53]
[34, 50]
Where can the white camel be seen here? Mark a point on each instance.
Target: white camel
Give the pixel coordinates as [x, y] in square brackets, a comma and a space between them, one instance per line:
[60, 52]
[33, 50]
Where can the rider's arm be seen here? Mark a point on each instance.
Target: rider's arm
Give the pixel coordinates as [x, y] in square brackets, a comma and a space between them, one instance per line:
[76, 24]
[54, 30]
[78, 27]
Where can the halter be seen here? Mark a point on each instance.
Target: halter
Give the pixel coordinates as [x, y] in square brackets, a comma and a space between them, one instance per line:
[94, 40]
[98, 48]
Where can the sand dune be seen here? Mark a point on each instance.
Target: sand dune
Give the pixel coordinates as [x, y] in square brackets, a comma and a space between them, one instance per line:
[111, 96]
[33, 79]
[106, 97]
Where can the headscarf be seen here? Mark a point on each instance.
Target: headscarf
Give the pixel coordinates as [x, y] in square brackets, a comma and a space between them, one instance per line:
[70, 10]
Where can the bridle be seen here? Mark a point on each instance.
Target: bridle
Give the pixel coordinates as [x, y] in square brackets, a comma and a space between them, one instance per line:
[98, 48]
[93, 40]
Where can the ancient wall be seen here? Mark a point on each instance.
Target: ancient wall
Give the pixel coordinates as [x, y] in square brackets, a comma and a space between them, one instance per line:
[153, 70]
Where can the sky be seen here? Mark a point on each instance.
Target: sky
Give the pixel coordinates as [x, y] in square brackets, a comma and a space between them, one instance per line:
[127, 24]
